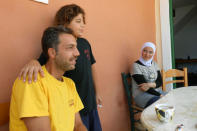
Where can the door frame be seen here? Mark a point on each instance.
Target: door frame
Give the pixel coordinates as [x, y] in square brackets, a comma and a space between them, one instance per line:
[164, 34]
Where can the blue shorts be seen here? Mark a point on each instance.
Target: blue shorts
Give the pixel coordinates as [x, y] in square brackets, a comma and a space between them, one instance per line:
[92, 121]
[151, 101]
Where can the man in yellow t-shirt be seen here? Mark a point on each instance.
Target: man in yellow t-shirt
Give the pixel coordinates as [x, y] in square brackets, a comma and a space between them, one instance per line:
[52, 103]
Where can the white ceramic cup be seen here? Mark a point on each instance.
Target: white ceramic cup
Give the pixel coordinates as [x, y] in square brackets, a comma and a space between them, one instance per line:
[164, 112]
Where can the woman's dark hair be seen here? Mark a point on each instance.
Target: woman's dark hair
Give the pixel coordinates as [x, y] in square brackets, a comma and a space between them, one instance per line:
[66, 14]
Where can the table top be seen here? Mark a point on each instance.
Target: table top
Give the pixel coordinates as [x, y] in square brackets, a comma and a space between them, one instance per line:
[185, 102]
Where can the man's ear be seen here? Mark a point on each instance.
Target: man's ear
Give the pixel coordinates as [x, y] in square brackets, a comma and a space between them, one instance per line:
[52, 53]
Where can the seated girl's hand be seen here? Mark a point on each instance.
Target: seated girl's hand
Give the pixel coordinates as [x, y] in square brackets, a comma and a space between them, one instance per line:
[30, 69]
[144, 86]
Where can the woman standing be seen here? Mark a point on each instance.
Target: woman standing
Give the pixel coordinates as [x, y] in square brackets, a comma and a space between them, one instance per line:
[146, 77]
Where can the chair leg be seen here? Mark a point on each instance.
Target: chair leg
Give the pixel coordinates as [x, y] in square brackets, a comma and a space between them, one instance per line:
[139, 127]
[137, 116]
[132, 124]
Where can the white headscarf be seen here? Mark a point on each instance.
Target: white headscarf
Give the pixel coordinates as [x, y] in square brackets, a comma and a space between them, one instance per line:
[148, 62]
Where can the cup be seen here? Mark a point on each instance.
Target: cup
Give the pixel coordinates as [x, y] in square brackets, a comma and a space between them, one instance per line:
[164, 112]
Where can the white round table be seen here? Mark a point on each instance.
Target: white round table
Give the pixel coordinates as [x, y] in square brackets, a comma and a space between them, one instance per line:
[185, 102]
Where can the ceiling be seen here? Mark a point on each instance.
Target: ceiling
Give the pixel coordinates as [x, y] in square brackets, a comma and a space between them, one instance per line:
[182, 3]
[186, 16]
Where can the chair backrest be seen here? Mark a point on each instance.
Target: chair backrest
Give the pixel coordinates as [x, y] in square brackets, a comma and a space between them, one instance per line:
[174, 73]
[4, 113]
[126, 78]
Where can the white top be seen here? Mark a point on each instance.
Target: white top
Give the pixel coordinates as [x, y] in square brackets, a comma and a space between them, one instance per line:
[185, 102]
[150, 75]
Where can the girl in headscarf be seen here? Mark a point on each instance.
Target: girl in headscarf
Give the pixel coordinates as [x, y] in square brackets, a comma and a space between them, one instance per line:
[146, 77]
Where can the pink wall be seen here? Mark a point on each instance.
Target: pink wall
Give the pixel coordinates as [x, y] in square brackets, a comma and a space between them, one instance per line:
[116, 30]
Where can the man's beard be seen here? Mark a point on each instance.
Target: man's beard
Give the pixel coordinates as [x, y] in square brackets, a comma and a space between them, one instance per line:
[63, 65]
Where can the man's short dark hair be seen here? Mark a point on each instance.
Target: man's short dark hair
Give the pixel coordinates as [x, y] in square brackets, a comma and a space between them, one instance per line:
[50, 38]
[66, 14]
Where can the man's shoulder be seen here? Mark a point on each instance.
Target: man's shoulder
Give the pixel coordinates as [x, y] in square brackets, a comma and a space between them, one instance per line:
[19, 82]
[70, 84]
[26, 83]
[69, 81]
[19, 86]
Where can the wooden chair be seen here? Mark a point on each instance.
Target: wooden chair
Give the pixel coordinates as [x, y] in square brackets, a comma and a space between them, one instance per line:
[174, 73]
[133, 109]
[4, 116]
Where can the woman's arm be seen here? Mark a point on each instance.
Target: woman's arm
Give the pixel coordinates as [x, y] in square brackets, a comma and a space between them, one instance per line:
[98, 97]
[144, 86]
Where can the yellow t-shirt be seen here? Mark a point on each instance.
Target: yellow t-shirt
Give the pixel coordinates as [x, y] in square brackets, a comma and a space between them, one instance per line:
[46, 97]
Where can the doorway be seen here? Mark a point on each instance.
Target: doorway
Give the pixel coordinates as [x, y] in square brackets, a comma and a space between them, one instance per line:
[185, 37]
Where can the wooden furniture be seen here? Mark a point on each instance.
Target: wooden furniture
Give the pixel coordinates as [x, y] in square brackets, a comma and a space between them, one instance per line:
[191, 65]
[133, 109]
[186, 61]
[174, 73]
[184, 100]
[4, 113]
[4, 116]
